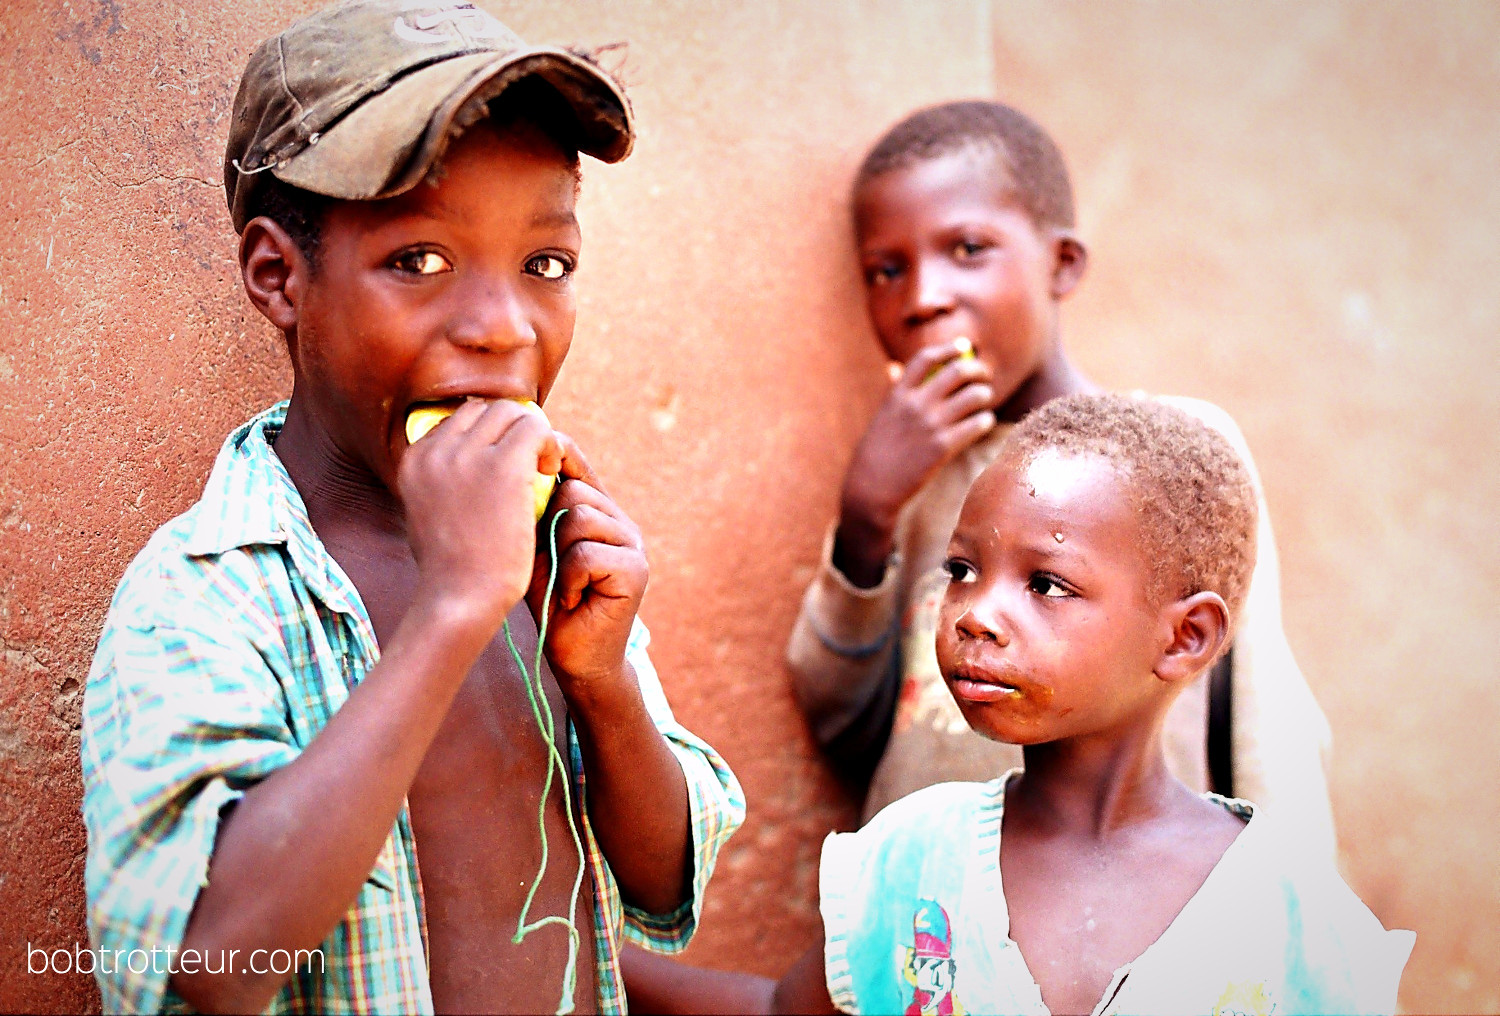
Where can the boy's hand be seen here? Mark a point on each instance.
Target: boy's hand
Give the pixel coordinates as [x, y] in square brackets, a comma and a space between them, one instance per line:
[601, 577]
[939, 405]
[470, 508]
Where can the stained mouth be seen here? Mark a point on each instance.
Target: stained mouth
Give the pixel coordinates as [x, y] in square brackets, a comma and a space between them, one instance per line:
[972, 682]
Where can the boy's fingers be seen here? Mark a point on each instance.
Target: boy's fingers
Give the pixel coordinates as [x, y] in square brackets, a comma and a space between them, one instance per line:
[893, 371]
[574, 466]
[927, 360]
[598, 569]
[587, 522]
[969, 430]
[969, 399]
[955, 374]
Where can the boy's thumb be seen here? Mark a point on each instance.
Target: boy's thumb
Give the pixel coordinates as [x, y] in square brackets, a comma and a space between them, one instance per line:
[893, 371]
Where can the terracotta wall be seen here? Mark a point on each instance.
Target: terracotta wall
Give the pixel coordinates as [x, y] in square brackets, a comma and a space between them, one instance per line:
[1290, 210]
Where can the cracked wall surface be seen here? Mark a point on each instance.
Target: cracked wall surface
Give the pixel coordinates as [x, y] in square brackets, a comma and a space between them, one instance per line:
[1289, 214]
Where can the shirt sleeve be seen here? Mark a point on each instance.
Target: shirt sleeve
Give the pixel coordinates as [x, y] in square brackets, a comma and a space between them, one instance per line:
[716, 808]
[844, 658]
[180, 716]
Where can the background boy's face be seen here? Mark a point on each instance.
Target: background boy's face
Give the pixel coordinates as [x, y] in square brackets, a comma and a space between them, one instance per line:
[1047, 630]
[946, 252]
[448, 291]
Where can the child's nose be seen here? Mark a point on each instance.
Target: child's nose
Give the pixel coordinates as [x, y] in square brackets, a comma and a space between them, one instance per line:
[931, 294]
[492, 316]
[985, 621]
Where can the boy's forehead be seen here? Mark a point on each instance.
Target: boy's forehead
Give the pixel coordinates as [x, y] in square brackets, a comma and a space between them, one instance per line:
[1068, 493]
[969, 180]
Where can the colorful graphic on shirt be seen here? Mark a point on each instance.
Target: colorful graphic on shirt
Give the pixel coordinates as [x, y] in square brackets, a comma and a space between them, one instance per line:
[929, 967]
[1244, 999]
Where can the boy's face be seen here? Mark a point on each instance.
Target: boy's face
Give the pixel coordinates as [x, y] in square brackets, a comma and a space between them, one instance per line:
[463, 288]
[1047, 630]
[946, 252]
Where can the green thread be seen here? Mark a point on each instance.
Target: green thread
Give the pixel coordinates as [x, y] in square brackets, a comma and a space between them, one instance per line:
[545, 724]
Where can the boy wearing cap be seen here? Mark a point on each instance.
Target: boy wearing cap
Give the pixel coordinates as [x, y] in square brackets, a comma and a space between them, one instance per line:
[317, 675]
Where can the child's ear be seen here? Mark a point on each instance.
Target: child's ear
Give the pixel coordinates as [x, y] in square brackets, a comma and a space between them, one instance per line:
[274, 271]
[1071, 260]
[1200, 627]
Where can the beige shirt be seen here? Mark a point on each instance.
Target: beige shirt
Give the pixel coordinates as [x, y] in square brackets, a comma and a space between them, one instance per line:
[844, 638]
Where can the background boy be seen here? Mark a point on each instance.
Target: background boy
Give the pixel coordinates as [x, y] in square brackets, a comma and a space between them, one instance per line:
[964, 222]
[300, 679]
[1096, 570]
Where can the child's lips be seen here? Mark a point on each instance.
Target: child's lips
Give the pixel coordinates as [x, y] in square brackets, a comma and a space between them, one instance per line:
[977, 684]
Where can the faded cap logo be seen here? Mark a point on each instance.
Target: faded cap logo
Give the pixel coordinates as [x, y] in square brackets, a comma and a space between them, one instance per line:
[448, 24]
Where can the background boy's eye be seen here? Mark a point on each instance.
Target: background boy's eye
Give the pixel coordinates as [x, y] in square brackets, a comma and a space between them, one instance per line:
[879, 275]
[548, 266]
[1045, 585]
[968, 248]
[423, 262]
[959, 571]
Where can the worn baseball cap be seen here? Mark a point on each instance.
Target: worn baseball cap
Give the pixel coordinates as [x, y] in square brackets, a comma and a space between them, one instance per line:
[358, 100]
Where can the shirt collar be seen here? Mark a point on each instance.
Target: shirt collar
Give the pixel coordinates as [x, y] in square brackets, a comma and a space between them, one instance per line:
[250, 500]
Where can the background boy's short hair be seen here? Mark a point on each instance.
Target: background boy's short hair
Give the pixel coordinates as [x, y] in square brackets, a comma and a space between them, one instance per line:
[1196, 501]
[357, 101]
[1033, 160]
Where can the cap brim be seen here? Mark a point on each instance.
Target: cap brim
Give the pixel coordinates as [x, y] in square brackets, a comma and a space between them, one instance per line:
[386, 144]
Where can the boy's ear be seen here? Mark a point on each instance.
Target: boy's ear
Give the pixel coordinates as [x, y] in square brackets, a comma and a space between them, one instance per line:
[1200, 627]
[274, 271]
[1071, 260]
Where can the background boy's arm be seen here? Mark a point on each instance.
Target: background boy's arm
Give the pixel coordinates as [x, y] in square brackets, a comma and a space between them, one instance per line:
[843, 651]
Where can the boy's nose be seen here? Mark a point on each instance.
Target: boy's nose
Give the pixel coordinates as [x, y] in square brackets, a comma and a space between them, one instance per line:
[931, 296]
[981, 620]
[491, 317]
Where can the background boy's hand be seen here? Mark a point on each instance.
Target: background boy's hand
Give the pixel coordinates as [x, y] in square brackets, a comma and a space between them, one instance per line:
[470, 509]
[939, 405]
[601, 577]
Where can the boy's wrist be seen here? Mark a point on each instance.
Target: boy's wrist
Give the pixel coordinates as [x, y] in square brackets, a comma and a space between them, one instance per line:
[861, 550]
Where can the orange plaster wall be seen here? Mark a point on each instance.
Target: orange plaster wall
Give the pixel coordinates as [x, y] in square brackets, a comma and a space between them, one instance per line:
[1292, 185]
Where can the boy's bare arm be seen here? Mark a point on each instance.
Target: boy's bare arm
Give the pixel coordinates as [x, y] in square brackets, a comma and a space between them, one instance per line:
[940, 404]
[293, 854]
[637, 793]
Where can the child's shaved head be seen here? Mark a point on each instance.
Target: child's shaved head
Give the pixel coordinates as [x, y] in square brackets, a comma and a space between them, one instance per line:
[1036, 167]
[1191, 489]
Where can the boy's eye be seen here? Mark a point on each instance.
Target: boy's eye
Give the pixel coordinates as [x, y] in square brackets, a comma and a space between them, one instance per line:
[1046, 585]
[422, 262]
[965, 249]
[880, 275]
[548, 266]
[959, 571]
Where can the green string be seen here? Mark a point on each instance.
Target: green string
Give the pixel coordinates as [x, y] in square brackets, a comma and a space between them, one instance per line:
[544, 722]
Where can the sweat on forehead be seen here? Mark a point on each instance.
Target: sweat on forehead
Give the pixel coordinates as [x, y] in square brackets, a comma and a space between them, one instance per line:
[1191, 490]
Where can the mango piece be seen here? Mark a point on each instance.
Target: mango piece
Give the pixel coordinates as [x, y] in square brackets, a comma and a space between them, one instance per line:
[421, 420]
[965, 352]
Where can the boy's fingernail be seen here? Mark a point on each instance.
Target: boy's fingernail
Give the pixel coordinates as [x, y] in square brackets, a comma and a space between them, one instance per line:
[893, 371]
[964, 346]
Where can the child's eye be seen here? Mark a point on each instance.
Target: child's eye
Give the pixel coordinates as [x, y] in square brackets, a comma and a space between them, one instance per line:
[548, 266]
[959, 571]
[965, 249]
[880, 275]
[1046, 585]
[422, 262]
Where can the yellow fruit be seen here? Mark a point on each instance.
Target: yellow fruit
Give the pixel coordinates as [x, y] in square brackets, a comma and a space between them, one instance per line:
[421, 420]
[965, 352]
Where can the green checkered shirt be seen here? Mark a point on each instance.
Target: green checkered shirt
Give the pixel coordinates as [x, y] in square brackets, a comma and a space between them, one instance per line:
[232, 639]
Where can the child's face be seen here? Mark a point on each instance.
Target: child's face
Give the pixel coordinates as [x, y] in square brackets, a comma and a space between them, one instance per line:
[947, 252]
[448, 291]
[1047, 630]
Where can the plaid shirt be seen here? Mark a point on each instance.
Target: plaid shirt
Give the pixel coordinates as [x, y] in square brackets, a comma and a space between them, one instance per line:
[232, 639]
